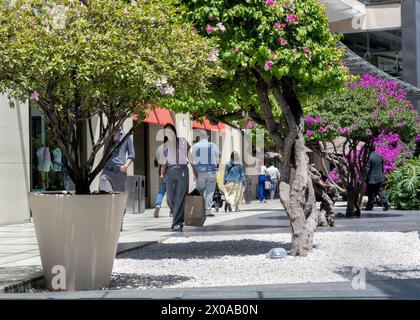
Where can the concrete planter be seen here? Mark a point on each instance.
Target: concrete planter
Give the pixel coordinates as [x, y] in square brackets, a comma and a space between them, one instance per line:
[77, 238]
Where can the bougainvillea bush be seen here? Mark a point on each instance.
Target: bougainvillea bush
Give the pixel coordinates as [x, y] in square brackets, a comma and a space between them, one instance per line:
[368, 112]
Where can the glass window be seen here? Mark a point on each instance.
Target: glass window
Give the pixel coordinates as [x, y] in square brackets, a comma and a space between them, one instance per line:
[48, 171]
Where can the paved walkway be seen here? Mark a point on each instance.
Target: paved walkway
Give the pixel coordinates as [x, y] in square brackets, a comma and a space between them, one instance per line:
[19, 259]
[379, 289]
[19, 256]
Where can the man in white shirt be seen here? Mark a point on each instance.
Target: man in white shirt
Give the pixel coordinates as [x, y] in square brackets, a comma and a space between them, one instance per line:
[274, 174]
[206, 157]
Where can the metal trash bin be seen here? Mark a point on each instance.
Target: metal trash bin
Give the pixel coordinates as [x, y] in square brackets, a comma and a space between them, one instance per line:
[248, 194]
[136, 202]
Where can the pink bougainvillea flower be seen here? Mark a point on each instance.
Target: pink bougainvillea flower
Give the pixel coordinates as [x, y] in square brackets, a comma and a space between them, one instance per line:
[288, 4]
[268, 65]
[309, 133]
[321, 130]
[294, 50]
[213, 56]
[270, 2]
[283, 25]
[221, 27]
[305, 49]
[209, 29]
[35, 96]
[168, 90]
[318, 118]
[277, 25]
[292, 18]
[282, 41]
[273, 54]
[250, 124]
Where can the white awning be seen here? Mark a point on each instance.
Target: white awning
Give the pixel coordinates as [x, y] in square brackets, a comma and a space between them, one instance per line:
[338, 10]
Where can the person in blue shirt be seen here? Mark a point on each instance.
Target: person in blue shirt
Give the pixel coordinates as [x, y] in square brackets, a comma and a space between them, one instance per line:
[234, 181]
[114, 175]
[206, 157]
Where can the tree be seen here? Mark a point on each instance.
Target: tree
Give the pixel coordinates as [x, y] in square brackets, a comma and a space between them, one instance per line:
[274, 53]
[363, 114]
[107, 59]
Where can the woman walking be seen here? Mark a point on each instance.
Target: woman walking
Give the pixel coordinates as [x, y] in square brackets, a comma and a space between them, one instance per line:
[262, 178]
[174, 164]
[234, 179]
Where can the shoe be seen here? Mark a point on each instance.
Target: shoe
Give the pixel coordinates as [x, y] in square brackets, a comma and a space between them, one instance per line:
[368, 209]
[209, 214]
[229, 207]
[387, 206]
[177, 228]
[170, 214]
[157, 209]
[237, 209]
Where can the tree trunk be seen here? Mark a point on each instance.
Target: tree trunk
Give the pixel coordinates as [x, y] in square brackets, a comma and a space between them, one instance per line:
[296, 189]
[298, 199]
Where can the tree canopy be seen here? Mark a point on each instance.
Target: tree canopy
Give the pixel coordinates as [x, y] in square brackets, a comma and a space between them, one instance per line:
[80, 59]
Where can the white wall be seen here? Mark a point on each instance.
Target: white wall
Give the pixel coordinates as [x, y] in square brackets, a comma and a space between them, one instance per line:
[14, 162]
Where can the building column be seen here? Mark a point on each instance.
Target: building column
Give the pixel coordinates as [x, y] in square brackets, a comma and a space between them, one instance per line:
[410, 27]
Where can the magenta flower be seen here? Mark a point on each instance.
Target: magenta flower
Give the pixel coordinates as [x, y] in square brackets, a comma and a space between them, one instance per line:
[318, 118]
[282, 41]
[305, 49]
[35, 96]
[270, 3]
[294, 50]
[310, 120]
[292, 18]
[401, 124]
[268, 65]
[277, 25]
[250, 124]
[346, 131]
[209, 29]
[321, 130]
[309, 133]
[273, 54]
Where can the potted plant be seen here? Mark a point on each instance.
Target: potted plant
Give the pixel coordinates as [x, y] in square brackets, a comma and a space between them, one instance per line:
[89, 66]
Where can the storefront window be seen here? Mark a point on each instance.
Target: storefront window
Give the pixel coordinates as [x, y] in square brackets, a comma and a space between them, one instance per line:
[48, 171]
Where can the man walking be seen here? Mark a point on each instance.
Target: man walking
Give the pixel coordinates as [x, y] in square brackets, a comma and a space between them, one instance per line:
[375, 181]
[274, 174]
[206, 157]
[114, 174]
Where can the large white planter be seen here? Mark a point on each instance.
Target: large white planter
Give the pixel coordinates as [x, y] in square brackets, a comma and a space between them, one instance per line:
[77, 238]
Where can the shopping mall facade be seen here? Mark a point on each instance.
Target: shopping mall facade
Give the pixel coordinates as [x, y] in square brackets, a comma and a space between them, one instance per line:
[383, 37]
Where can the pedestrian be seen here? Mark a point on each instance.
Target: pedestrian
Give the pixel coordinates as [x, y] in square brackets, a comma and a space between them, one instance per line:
[375, 181]
[234, 181]
[162, 186]
[114, 175]
[174, 162]
[274, 175]
[262, 177]
[206, 157]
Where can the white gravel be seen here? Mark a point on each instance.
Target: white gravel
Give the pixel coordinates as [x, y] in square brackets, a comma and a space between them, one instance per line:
[207, 261]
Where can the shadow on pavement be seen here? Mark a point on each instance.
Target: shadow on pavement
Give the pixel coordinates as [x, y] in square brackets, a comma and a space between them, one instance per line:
[135, 281]
[219, 227]
[205, 249]
[384, 280]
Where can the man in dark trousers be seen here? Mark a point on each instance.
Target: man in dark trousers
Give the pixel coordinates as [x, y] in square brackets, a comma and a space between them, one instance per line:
[375, 181]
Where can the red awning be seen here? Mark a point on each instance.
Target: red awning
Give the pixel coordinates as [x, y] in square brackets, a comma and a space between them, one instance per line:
[159, 116]
[206, 125]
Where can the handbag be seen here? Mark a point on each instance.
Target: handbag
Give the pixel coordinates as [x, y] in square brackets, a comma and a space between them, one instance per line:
[267, 185]
[194, 212]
